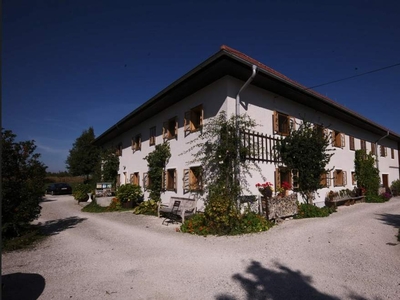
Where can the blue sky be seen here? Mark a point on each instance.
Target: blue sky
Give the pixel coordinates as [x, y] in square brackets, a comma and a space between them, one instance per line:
[69, 65]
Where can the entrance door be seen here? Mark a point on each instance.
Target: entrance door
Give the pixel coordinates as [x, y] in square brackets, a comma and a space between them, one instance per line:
[385, 180]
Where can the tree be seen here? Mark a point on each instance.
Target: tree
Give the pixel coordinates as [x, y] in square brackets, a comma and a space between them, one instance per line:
[222, 153]
[366, 174]
[84, 157]
[23, 180]
[156, 162]
[305, 150]
[110, 165]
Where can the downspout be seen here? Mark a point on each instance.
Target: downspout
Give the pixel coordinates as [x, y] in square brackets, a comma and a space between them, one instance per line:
[237, 108]
[376, 150]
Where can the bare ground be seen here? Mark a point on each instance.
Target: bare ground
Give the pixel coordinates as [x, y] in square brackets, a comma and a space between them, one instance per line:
[353, 254]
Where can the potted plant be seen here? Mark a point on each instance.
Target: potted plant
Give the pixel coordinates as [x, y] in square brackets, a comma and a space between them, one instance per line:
[265, 189]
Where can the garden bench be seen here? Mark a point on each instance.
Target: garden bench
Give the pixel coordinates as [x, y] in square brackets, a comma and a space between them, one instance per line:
[178, 207]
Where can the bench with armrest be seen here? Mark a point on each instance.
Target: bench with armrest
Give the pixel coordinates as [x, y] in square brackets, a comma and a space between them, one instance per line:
[178, 208]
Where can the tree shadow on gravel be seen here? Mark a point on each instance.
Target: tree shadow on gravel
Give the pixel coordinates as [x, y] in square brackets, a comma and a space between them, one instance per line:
[22, 286]
[279, 283]
[56, 226]
[390, 219]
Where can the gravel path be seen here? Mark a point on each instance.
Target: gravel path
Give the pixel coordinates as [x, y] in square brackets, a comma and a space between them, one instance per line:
[353, 254]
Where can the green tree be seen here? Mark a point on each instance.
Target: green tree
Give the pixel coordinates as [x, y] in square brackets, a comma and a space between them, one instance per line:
[84, 157]
[156, 162]
[366, 174]
[221, 154]
[23, 179]
[305, 150]
[110, 165]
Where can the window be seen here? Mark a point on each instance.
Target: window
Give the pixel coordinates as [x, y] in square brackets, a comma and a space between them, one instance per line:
[325, 180]
[193, 119]
[353, 178]
[383, 151]
[363, 145]
[351, 143]
[146, 181]
[152, 138]
[118, 149]
[135, 178]
[339, 178]
[169, 180]
[337, 139]
[282, 123]
[170, 129]
[192, 179]
[286, 175]
[373, 148]
[392, 153]
[137, 143]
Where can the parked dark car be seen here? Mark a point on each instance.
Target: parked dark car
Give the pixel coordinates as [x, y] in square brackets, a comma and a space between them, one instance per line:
[59, 188]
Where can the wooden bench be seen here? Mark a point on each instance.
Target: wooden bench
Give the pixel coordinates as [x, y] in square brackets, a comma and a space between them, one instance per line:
[178, 207]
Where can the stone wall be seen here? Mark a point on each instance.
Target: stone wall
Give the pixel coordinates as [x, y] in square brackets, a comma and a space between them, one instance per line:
[281, 207]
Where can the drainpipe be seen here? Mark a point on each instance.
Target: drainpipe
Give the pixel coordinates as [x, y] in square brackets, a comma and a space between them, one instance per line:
[237, 166]
[376, 149]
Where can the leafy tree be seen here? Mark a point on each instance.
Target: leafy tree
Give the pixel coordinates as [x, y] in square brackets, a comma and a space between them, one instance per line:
[156, 162]
[221, 154]
[23, 179]
[110, 165]
[84, 157]
[366, 174]
[306, 150]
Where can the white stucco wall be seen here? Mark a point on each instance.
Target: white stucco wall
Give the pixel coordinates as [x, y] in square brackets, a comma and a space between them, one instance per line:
[260, 105]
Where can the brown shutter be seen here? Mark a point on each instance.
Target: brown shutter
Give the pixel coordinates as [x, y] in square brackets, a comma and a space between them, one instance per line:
[277, 178]
[165, 130]
[186, 122]
[275, 122]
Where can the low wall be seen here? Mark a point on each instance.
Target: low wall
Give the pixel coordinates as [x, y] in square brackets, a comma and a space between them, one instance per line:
[281, 207]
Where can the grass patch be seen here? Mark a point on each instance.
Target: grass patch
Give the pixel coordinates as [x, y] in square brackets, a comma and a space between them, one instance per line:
[27, 240]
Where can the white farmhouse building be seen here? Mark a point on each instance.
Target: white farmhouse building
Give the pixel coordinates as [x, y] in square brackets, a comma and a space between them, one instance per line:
[273, 100]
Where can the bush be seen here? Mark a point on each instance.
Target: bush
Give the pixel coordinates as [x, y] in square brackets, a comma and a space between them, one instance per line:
[310, 211]
[129, 192]
[149, 207]
[396, 187]
[23, 178]
[81, 192]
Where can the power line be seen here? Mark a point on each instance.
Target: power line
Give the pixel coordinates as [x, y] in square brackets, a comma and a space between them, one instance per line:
[358, 75]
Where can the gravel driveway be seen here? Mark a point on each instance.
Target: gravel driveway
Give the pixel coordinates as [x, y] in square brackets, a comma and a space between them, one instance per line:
[353, 254]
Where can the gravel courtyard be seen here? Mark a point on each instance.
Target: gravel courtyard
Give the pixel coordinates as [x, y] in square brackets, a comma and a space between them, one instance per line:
[353, 254]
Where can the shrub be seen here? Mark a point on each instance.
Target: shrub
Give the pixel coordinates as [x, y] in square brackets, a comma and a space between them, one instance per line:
[310, 211]
[396, 187]
[149, 207]
[81, 192]
[129, 192]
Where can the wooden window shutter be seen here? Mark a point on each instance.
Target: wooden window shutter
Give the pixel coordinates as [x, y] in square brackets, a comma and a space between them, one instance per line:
[344, 181]
[165, 130]
[292, 123]
[295, 179]
[145, 180]
[175, 181]
[277, 178]
[186, 181]
[343, 141]
[275, 122]
[186, 122]
[132, 178]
